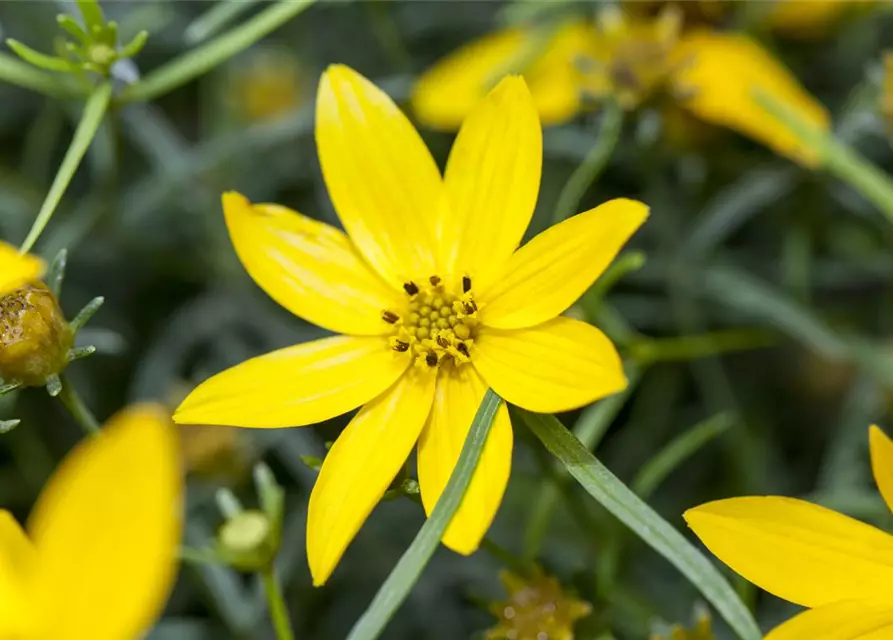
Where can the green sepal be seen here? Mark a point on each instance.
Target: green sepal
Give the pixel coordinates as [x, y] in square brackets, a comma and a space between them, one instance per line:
[38, 59]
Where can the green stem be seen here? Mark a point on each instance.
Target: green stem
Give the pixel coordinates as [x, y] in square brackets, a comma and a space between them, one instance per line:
[278, 611]
[593, 164]
[518, 565]
[76, 407]
[94, 111]
[22, 74]
[201, 60]
[683, 348]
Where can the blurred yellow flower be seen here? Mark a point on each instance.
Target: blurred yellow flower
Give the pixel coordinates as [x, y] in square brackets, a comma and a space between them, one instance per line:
[839, 567]
[266, 86]
[702, 630]
[17, 270]
[435, 298]
[211, 451]
[537, 607]
[713, 75]
[99, 559]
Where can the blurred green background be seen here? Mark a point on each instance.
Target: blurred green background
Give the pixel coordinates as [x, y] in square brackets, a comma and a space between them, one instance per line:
[796, 265]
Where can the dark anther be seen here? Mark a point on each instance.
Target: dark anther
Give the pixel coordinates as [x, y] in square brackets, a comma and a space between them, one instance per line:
[431, 359]
[469, 307]
[461, 348]
[410, 288]
[401, 346]
[434, 280]
[466, 284]
[443, 342]
[474, 305]
[389, 316]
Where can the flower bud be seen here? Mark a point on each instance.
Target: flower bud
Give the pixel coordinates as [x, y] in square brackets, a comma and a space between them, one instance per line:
[34, 336]
[248, 541]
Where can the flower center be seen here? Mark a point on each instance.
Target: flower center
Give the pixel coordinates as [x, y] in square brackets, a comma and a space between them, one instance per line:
[437, 325]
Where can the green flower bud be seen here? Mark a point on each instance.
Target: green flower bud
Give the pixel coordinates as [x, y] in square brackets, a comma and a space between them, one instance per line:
[248, 541]
[34, 336]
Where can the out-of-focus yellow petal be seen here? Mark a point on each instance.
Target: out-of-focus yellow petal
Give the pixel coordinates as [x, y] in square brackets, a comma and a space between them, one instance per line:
[296, 386]
[17, 270]
[107, 527]
[719, 73]
[882, 463]
[545, 276]
[559, 365]
[310, 268]
[382, 180]
[798, 551]
[848, 620]
[361, 465]
[458, 396]
[445, 95]
[18, 617]
[492, 181]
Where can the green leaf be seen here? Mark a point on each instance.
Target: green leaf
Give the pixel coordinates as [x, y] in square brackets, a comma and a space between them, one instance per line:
[134, 46]
[201, 60]
[14, 71]
[77, 353]
[56, 274]
[678, 451]
[611, 493]
[72, 26]
[215, 19]
[7, 388]
[94, 111]
[84, 315]
[8, 425]
[38, 59]
[92, 13]
[407, 571]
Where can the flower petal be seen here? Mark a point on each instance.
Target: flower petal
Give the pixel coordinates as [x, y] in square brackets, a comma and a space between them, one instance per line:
[559, 365]
[18, 562]
[107, 527]
[458, 396]
[310, 268]
[296, 386]
[798, 551]
[547, 275]
[361, 465]
[848, 620]
[17, 270]
[451, 89]
[492, 182]
[382, 180]
[724, 98]
[882, 463]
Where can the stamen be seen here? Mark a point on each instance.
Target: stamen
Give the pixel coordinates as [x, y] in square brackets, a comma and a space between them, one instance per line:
[461, 348]
[401, 346]
[389, 316]
[434, 280]
[431, 359]
[443, 342]
[410, 288]
[466, 284]
[469, 307]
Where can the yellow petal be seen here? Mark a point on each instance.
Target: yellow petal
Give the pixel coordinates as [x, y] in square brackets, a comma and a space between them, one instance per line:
[458, 396]
[310, 268]
[296, 386]
[361, 465]
[848, 620]
[798, 551]
[492, 182]
[107, 527]
[446, 93]
[18, 617]
[17, 270]
[382, 180]
[882, 463]
[559, 365]
[725, 97]
[547, 275]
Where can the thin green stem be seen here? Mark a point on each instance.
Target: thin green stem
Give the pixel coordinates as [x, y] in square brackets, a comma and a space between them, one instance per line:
[278, 611]
[94, 111]
[683, 348]
[22, 74]
[593, 164]
[76, 407]
[204, 58]
[518, 565]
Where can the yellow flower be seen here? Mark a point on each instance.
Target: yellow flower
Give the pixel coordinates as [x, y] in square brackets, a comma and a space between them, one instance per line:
[266, 86]
[537, 607]
[435, 300]
[17, 270]
[702, 629]
[99, 558]
[839, 567]
[696, 70]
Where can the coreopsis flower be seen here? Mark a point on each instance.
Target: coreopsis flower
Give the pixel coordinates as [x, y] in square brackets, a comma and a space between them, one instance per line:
[99, 556]
[537, 607]
[838, 567]
[34, 336]
[434, 299]
[17, 270]
[694, 71]
[266, 86]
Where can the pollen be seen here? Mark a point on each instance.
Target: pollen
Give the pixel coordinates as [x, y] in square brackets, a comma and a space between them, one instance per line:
[438, 324]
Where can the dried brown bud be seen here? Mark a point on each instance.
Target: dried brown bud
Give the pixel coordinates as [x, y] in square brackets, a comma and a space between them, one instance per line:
[34, 336]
